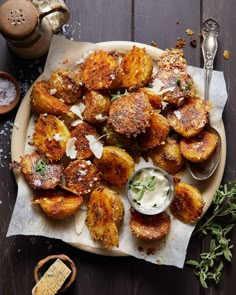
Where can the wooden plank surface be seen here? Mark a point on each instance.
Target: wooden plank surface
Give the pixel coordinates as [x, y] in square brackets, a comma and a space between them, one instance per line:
[95, 21]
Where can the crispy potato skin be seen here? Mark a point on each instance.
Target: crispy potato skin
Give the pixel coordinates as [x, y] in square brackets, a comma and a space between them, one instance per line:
[199, 148]
[189, 119]
[67, 85]
[137, 68]
[81, 176]
[81, 144]
[154, 98]
[156, 133]
[172, 59]
[168, 156]
[183, 87]
[57, 204]
[149, 227]
[188, 204]
[44, 103]
[130, 114]
[104, 216]
[47, 129]
[101, 70]
[97, 107]
[48, 178]
[116, 165]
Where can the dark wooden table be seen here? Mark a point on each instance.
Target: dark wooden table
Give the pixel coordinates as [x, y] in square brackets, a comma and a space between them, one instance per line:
[101, 20]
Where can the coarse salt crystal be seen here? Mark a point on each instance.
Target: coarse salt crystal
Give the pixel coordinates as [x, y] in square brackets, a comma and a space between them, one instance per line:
[7, 92]
[57, 137]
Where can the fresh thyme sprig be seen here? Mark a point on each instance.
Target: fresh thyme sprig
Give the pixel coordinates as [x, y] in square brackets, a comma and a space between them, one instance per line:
[141, 187]
[117, 95]
[210, 266]
[41, 166]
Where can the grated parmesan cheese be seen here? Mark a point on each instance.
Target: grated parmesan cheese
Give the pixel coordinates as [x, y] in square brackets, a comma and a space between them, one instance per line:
[71, 151]
[95, 145]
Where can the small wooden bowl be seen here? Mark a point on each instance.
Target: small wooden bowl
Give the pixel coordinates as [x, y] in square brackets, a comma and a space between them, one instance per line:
[7, 108]
[66, 260]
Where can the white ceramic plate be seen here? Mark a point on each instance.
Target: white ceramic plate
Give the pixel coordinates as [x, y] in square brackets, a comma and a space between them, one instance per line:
[207, 188]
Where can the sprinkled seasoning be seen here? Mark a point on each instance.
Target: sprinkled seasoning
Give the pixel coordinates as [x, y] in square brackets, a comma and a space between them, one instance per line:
[7, 92]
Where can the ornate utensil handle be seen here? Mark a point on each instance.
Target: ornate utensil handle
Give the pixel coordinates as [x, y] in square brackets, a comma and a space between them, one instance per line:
[210, 31]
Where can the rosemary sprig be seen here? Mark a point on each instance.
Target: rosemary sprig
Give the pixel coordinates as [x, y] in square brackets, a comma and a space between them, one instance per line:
[146, 185]
[210, 266]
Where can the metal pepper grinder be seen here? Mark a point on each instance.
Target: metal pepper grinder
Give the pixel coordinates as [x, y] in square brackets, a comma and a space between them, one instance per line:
[27, 29]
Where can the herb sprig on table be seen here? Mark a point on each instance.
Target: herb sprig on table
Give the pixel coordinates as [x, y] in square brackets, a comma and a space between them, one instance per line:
[216, 223]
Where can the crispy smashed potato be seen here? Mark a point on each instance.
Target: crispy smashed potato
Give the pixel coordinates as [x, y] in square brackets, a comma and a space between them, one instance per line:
[188, 204]
[149, 227]
[199, 148]
[137, 68]
[168, 156]
[81, 177]
[104, 216]
[189, 119]
[81, 144]
[50, 136]
[116, 165]
[176, 87]
[65, 85]
[58, 204]
[97, 107]
[156, 133]
[154, 98]
[172, 59]
[101, 70]
[130, 114]
[39, 172]
[43, 102]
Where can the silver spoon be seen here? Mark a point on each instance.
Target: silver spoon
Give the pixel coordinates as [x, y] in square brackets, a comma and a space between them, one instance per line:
[210, 31]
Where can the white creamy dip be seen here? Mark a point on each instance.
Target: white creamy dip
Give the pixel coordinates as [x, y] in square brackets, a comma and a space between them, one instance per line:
[150, 189]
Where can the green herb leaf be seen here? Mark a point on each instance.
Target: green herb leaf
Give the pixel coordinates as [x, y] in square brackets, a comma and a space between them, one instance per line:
[41, 166]
[147, 185]
[210, 265]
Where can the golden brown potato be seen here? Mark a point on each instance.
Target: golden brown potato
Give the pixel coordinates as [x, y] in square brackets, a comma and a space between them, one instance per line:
[176, 87]
[137, 68]
[149, 227]
[116, 165]
[168, 156]
[81, 144]
[97, 107]
[101, 70]
[58, 204]
[156, 133]
[172, 59]
[199, 148]
[39, 172]
[65, 85]
[154, 98]
[190, 118]
[81, 177]
[50, 136]
[104, 216]
[44, 103]
[130, 114]
[113, 138]
[188, 204]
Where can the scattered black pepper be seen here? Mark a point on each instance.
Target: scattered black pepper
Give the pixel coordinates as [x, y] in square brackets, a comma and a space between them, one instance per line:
[193, 42]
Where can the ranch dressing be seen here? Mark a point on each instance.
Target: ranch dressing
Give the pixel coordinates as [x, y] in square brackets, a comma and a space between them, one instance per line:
[150, 189]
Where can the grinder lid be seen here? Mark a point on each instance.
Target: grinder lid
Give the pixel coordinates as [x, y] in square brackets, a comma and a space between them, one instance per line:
[18, 19]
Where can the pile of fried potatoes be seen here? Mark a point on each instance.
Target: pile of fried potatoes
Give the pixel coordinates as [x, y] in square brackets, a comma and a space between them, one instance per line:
[95, 122]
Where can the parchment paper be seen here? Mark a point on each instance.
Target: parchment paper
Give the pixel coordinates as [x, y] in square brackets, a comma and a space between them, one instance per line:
[28, 219]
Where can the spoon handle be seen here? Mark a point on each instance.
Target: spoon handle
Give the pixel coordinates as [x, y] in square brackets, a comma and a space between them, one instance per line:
[210, 31]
